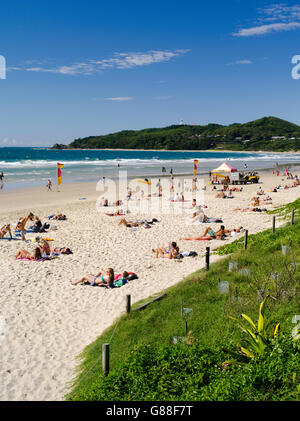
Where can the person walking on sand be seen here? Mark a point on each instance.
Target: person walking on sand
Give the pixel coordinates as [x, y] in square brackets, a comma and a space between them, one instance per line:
[1, 180]
[49, 185]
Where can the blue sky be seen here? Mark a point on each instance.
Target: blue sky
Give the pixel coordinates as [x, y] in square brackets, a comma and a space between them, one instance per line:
[81, 68]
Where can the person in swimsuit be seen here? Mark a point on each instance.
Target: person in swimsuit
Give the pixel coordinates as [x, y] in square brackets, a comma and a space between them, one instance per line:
[44, 248]
[4, 230]
[61, 250]
[103, 278]
[171, 252]
[22, 224]
[24, 254]
[209, 234]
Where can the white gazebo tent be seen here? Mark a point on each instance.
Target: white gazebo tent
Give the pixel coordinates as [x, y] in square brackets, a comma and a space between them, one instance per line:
[224, 168]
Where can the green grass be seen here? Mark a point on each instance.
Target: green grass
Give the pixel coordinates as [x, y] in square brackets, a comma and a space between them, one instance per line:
[209, 325]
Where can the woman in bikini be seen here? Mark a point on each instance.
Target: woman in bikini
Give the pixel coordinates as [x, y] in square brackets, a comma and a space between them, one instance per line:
[4, 230]
[61, 250]
[171, 253]
[105, 278]
[209, 234]
[44, 248]
[24, 254]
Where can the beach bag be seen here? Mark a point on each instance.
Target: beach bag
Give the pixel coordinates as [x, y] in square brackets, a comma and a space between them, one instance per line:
[131, 277]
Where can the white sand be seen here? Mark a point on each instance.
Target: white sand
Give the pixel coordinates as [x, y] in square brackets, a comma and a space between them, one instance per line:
[48, 320]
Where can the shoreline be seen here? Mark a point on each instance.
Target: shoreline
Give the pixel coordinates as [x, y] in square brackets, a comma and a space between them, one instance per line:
[173, 150]
[49, 321]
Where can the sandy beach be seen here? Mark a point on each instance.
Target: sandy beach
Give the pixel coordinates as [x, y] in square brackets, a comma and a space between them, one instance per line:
[49, 321]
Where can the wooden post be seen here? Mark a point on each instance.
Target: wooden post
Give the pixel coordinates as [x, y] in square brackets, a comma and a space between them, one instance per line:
[246, 240]
[207, 258]
[293, 217]
[186, 329]
[105, 359]
[273, 225]
[128, 303]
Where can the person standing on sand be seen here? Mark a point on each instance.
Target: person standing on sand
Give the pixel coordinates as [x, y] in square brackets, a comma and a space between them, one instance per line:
[49, 185]
[1, 180]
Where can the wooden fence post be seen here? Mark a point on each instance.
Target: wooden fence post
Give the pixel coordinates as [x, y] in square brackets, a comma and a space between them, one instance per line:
[105, 359]
[293, 217]
[273, 225]
[128, 303]
[207, 258]
[246, 240]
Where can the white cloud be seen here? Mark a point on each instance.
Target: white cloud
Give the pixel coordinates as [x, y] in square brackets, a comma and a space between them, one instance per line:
[118, 61]
[276, 18]
[119, 98]
[265, 29]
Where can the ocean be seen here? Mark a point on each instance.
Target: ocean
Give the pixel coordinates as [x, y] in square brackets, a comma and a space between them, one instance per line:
[25, 167]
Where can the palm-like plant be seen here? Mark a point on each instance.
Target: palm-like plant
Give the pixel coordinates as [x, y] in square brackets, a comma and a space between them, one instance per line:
[259, 339]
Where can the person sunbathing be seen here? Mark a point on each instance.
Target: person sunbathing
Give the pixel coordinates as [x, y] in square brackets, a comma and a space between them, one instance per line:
[250, 209]
[44, 248]
[104, 278]
[129, 224]
[172, 252]
[221, 195]
[209, 234]
[233, 231]
[61, 250]
[255, 201]
[24, 254]
[60, 217]
[117, 213]
[260, 192]
[5, 229]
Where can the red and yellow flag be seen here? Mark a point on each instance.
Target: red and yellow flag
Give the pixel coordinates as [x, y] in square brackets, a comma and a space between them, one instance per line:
[59, 166]
[195, 166]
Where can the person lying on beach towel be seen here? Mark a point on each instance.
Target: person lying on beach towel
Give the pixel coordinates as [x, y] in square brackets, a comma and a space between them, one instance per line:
[5, 229]
[61, 250]
[104, 278]
[250, 209]
[209, 234]
[59, 217]
[130, 224]
[24, 254]
[171, 252]
[117, 213]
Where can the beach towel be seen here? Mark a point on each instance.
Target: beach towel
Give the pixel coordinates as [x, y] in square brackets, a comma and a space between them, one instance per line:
[34, 260]
[8, 238]
[28, 230]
